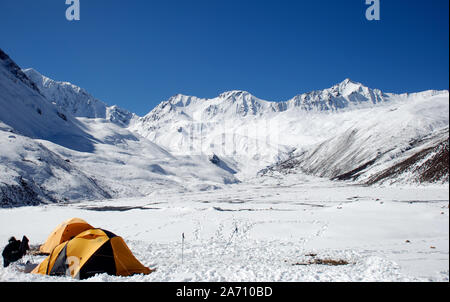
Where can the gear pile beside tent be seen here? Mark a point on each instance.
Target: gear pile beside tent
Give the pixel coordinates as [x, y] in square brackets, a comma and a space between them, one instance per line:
[77, 249]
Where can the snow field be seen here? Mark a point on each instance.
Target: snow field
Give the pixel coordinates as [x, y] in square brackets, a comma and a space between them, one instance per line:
[277, 228]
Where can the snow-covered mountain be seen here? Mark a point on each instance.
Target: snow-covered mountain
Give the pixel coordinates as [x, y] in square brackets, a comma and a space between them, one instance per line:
[75, 101]
[26, 110]
[362, 143]
[29, 172]
[60, 144]
[239, 104]
[343, 96]
[330, 132]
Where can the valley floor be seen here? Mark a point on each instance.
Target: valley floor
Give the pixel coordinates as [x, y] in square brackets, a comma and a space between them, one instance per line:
[267, 229]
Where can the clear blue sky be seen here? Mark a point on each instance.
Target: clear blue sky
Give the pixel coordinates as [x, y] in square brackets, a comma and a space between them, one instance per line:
[136, 53]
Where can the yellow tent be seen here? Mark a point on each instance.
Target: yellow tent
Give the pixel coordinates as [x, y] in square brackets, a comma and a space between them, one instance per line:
[64, 232]
[92, 252]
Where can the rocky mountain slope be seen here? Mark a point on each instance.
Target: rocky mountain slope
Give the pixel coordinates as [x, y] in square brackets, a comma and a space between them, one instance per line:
[325, 133]
[58, 145]
[75, 101]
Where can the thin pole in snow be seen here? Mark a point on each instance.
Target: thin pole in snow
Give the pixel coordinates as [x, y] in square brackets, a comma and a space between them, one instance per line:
[182, 248]
[231, 238]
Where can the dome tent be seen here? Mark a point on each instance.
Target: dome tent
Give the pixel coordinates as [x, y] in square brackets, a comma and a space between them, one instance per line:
[92, 252]
[64, 232]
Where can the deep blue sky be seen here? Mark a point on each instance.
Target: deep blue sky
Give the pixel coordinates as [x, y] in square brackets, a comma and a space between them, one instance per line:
[136, 53]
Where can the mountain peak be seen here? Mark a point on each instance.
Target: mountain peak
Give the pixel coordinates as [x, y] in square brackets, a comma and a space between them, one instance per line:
[36, 77]
[348, 81]
[69, 98]
[31, 72]
[234, 94]
[12, 67]
[347, 87]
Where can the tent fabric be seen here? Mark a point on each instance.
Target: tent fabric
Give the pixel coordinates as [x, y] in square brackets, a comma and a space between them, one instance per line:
[92, 252]
[64, 232]
[125, 260]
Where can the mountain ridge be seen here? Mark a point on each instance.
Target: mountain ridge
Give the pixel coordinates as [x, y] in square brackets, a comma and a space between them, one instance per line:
[49, 155]
[76, 101]
[347, 93]
[188, 143]
[238, 124]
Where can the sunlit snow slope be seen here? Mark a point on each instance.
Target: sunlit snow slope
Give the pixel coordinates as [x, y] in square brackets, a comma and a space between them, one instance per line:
[65, 146]
[60, 143]
[337, 131]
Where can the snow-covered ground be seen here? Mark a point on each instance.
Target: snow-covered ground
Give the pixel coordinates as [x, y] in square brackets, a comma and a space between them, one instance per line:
[394, 233]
